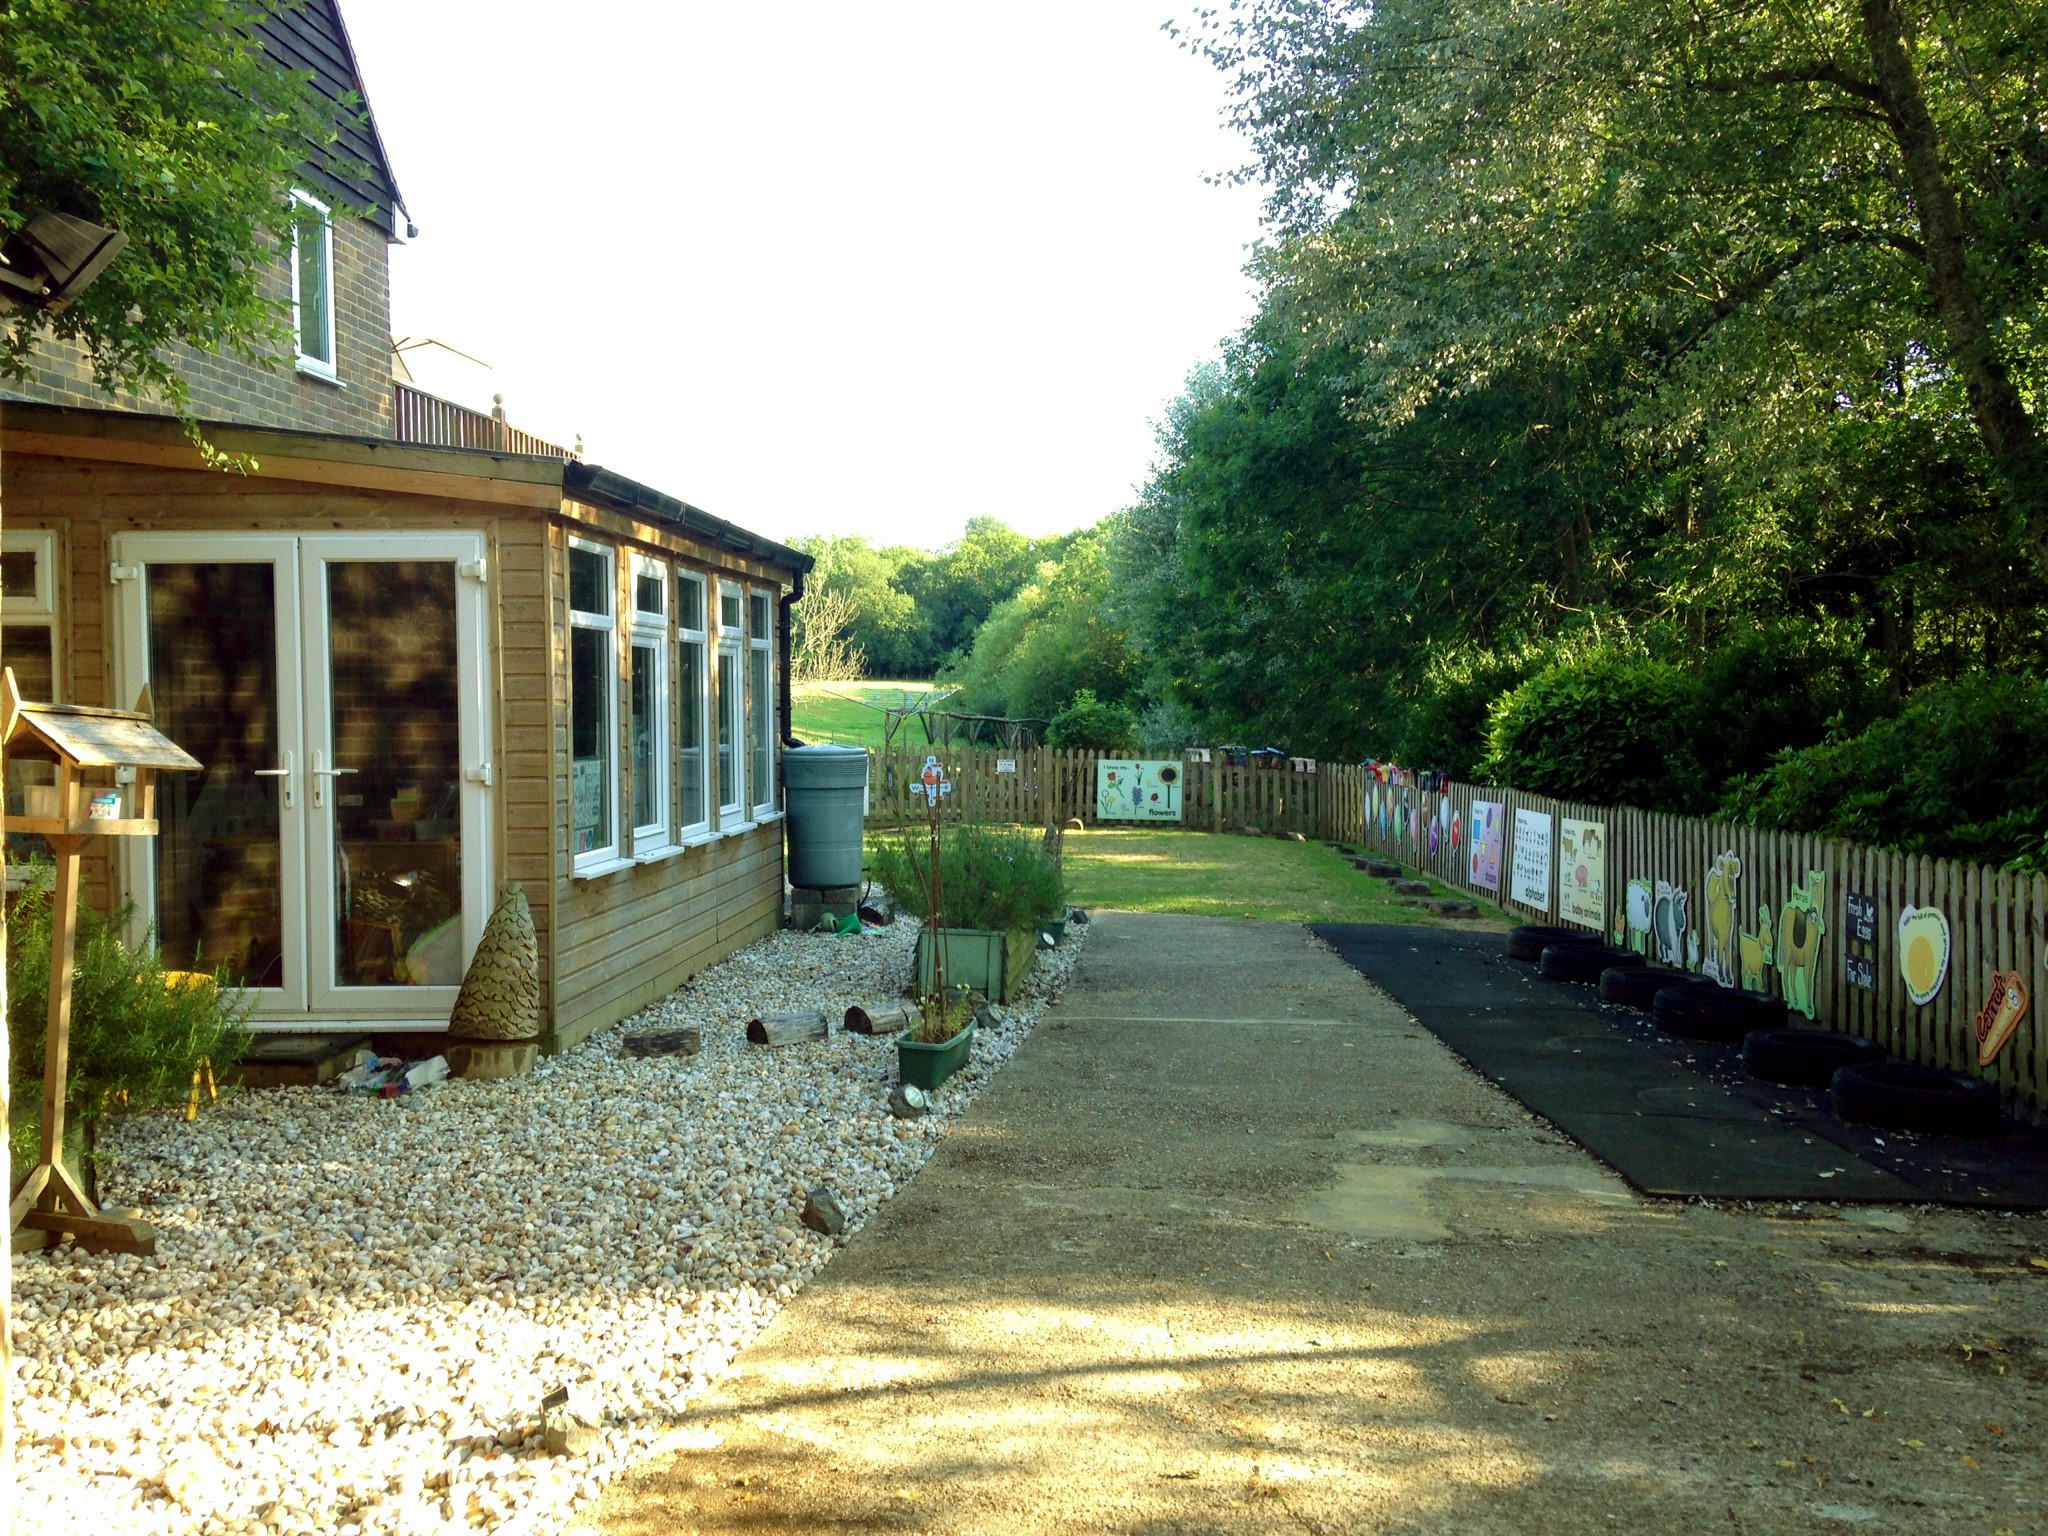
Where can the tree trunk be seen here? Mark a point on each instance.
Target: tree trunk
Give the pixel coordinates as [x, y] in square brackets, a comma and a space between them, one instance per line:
[2001, 416]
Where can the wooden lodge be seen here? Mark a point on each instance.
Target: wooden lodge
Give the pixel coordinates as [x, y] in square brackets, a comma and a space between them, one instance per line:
[410, 674]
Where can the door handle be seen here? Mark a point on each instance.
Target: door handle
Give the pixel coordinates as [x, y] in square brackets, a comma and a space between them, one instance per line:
[321, 774]
[285, 773]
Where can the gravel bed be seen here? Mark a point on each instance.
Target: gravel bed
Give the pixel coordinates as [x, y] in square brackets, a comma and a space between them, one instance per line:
[357, 1304]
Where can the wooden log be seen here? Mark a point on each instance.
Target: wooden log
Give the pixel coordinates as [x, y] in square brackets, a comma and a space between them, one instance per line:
[104, 1233]
[789, 1028]
[885, 1018]
[686, 1041]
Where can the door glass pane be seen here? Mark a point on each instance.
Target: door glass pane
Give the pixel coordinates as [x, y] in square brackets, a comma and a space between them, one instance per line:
[213, 682]
[728, 699]
[690, 753]
[396, 797]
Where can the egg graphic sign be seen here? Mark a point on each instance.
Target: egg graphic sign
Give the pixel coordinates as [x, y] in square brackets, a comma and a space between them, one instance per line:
[1923, 951]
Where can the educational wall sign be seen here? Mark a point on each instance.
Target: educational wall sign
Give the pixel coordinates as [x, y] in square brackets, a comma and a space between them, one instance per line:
[2000, 1015]
[1488, 832]
[1860, 971]
[1531, 886]
[1582, 858]
[1128, 790]
[1923, 952]
[1862, 918]
[1720, 953]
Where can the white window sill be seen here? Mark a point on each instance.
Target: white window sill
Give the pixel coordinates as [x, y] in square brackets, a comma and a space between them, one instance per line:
[597, 870]
[313, 368]
[763, 818]
[728, 828]
[659, 855]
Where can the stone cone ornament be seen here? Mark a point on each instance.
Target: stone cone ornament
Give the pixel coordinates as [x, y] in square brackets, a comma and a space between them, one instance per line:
[500, 997]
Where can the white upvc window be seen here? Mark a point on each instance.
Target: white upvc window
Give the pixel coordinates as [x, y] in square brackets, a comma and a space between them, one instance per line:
[761, 698]
[732, 706]
[593, 704]
[313, 284]
[693, 701]
[648, 705]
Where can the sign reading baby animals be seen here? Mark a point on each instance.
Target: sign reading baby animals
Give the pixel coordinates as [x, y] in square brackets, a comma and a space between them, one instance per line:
[1582, 889]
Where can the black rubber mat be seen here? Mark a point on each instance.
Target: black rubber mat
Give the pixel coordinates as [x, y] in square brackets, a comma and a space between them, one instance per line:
[1673, 1117]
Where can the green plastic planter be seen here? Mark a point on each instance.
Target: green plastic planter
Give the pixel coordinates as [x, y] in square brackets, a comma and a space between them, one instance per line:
[927, 1066]
[1058, 927]
[993, 964]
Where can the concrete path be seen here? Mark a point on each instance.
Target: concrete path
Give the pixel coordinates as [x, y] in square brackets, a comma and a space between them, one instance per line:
[1233, 1245]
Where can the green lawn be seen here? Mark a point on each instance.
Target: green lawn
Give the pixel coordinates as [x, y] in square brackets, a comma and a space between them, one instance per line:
[1219, 875]
[849, 714]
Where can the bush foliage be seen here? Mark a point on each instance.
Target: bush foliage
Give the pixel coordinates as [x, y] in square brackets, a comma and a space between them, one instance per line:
[995, 878]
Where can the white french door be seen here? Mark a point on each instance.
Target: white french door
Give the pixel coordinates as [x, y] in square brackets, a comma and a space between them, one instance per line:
[332, 851]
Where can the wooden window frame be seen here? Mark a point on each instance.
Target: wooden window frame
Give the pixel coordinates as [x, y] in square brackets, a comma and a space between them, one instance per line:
[731, 704]
[761, 710]
[650, 633]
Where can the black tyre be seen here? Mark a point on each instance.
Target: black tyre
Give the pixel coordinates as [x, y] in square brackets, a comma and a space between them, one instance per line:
[1636, 985]
[1804, 1058]
[1580, 962]
[1530, 940]
[1902, 1097]
[1705, 1010]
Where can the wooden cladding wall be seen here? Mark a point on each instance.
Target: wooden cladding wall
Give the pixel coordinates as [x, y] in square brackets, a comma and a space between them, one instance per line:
[1998, 920]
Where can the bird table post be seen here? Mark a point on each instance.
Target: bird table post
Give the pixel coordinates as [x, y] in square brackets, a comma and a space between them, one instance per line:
[104, 764]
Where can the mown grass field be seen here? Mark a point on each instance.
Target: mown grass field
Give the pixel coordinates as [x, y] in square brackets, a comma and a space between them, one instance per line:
[847, 714]
[1219, 875]
[1214, 874]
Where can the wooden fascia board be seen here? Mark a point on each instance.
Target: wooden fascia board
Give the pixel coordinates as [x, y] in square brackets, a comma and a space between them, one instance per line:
[671, 541]
[360, 466]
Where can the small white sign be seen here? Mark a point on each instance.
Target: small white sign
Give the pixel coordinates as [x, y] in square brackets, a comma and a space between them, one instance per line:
[1006, 765]
[1532, 860]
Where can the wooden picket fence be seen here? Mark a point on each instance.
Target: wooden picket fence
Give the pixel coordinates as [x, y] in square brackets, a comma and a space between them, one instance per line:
[1998, 920]
[1038, 785]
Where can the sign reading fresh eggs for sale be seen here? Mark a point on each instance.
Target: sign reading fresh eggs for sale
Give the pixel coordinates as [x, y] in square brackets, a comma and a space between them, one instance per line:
[1136, 791]
[1582, 883]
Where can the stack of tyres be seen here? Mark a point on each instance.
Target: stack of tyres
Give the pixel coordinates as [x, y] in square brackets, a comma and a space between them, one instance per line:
[1706, 1010]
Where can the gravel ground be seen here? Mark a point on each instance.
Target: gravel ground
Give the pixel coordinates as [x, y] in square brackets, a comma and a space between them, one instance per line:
[356, 1305]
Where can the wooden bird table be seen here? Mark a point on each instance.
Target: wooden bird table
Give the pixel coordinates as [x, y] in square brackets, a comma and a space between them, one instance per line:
[106, 762]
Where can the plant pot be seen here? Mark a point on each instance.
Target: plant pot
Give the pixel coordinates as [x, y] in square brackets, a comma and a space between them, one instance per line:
[1058, 927]
[927, 1066]
[993, 964]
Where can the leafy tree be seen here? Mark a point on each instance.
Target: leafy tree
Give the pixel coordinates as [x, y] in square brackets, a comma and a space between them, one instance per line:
[164, 119]
[1088, 722]
[1059, 635]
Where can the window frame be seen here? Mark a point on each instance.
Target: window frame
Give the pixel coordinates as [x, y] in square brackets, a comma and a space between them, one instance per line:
[650, 633]
[307, 362]
[39, 611]
[732, 706]
[706, 748]
[762, 709]
[606, 852]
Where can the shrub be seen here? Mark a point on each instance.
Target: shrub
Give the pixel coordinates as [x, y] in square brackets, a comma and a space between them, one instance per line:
[1088, 722]
[1960, 772]
[996, 878]
[1611, 729]
[138, 1030]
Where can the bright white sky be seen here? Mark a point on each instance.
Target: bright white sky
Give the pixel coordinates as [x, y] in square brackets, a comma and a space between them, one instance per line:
[820, 267]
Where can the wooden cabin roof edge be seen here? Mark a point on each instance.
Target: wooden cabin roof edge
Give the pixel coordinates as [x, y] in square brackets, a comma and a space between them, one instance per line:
[596, 486]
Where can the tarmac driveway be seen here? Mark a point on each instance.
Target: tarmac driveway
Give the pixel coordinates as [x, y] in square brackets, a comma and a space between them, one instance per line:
[1233, 1245]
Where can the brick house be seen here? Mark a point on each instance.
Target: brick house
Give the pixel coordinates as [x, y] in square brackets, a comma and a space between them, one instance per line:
[412, 671]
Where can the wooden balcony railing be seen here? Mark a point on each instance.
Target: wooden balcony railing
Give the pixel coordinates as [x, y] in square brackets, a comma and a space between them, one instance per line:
[423, 418]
